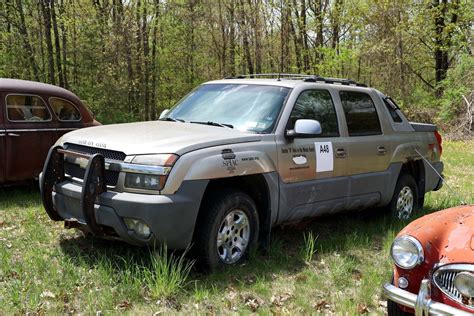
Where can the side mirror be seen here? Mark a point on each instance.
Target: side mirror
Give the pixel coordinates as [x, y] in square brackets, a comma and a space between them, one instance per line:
[305, 128]
[163, 114]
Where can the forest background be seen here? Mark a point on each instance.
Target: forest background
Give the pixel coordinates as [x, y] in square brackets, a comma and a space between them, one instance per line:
[130, 59]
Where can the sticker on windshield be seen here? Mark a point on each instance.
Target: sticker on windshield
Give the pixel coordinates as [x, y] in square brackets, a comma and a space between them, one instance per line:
[324, 156]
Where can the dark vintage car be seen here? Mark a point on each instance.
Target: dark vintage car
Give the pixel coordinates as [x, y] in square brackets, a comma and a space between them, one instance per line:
[32, 117]
[434, 265]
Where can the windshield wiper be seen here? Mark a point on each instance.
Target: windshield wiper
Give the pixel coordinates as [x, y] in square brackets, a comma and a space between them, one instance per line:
[172, 119]
[214, 124]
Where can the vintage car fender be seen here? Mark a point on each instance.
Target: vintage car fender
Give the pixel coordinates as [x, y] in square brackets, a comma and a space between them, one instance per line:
[447, 237]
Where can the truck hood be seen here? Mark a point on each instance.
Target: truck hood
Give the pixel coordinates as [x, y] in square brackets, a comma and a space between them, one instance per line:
[156, 137]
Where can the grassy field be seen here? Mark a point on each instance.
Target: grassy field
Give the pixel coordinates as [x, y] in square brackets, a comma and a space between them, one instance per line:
[333, 265]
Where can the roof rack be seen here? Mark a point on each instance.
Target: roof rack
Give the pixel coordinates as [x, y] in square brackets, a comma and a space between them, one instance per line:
[304, 77]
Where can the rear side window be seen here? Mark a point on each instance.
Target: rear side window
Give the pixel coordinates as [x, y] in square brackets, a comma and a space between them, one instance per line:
[64, 110]
[361, 115]
[316, 105]
[29, 108]
[392, 108]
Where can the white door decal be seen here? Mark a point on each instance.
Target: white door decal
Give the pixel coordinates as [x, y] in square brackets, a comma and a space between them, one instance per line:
[324, 156]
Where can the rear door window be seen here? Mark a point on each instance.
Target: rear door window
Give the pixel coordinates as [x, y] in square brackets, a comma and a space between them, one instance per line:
[29, 108]
[64, 110]
[360, 112]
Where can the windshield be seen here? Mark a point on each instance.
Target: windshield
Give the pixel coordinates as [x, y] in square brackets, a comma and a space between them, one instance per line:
[253, 108]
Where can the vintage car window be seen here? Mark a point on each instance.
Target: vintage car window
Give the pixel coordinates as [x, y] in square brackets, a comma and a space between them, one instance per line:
[64, 110]
[253, 108]
[316, 105]
[361, 115]
[29, 108]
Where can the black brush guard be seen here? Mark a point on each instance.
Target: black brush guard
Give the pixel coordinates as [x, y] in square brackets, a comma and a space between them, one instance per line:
[93, 184]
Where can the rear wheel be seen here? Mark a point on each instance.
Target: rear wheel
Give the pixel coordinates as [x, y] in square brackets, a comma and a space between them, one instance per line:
[227, 230]
[405, 197]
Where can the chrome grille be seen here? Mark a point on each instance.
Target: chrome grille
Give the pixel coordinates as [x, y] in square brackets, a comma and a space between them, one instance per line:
[108, 154]
[444, 276]
[73, 170]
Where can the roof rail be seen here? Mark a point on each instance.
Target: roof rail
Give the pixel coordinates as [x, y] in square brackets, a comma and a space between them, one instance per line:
[304, 77]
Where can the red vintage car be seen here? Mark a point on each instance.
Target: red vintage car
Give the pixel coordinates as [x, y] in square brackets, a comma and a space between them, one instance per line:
[434, 265]
[33, 116]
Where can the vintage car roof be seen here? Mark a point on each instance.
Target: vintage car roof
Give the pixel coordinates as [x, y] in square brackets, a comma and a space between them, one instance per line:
[447, 236]
[26, 86]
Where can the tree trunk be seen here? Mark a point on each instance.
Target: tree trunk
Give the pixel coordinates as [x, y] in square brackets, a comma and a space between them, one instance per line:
[57, 44]
[26, 41]
[45, 8]
[231, 12]
[245, 38]
[146, 63]
[64, 44]
[154, 68]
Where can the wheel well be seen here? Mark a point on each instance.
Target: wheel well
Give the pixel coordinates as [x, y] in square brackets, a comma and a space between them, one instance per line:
[255, 186]
[417, 170]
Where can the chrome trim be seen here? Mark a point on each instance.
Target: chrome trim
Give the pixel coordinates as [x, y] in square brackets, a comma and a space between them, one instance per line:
[13, 135]
[419, 247]
[2, 134]
[67, 128]
[31, 129]
[114, 165]
[410, 300]
[423, 300]
[31, 95]
[78, 111]
[456, 267]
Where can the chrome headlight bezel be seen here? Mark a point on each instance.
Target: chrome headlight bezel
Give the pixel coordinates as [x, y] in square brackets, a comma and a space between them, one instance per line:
[145, 167]
[411, 246]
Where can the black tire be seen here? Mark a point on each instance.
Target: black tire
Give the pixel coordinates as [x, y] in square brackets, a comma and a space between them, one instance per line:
[394, 310]
[405, 187]
[212, 222]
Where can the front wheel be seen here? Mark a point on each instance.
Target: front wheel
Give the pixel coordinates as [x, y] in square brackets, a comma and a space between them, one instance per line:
[404, 198]
[227, 229]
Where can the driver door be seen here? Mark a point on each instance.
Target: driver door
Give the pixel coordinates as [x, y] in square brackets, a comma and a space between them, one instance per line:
[313, 168]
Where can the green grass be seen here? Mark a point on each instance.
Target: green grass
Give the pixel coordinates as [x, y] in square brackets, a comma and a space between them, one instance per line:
[333, 264]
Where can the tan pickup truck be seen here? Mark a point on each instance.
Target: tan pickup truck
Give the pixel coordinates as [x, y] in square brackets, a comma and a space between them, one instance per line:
[238, 156]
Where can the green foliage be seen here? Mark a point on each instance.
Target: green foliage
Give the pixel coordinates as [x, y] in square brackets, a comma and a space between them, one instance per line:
[168, 273]
[459, 82]
[309, 248]
[129, 60]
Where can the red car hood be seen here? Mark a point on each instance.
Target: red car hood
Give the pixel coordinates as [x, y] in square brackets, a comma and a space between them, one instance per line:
[447, 236]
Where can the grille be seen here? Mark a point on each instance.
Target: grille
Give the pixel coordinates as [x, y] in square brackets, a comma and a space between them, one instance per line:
[444, 280]
[73, 170]
[108, 154]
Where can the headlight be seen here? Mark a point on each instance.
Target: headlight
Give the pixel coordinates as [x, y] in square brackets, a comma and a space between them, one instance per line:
[407, 252]
[144, 179]
[464, 283]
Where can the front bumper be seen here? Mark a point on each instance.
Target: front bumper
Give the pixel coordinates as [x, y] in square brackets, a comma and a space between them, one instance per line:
[92, 207]
[421, 303]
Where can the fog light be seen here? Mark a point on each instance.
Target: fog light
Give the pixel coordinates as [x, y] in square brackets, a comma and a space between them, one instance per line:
[402, 283]
[464, 283]
[138, 226]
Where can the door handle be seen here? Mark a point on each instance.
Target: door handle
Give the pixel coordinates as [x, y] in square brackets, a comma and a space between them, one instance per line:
[13, 135]
[381, 150]
[2, 134]
[340, 153]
